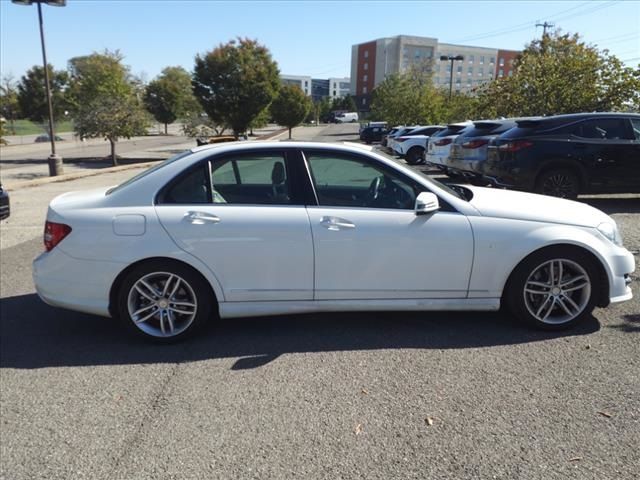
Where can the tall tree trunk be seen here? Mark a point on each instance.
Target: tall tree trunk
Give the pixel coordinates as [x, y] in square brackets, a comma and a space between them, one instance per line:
[166, 130]
[114, 158]
[289, 133]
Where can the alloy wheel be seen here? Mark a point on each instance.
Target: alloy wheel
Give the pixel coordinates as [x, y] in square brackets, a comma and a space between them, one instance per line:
[557, 291]
[559, 185]
[162, 304]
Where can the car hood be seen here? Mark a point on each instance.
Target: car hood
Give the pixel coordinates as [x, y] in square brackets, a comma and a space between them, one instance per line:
[494, 202]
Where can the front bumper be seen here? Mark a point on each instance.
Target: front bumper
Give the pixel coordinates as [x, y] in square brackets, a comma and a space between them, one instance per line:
[67, 282]
[622, 265]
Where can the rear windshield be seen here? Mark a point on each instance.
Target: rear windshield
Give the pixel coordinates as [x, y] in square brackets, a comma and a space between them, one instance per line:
[453, 130]
[146, 172]
[488, 129]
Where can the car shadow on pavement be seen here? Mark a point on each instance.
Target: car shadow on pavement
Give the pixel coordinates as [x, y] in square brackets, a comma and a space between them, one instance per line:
[35, 335]
[614, 205]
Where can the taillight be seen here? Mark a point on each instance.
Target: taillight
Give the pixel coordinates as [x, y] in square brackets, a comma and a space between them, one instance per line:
[443, 142]
[54, 233]
[515, 146]
[474, 143]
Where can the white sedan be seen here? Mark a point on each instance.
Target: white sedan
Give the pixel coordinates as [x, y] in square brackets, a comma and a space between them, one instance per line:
[250, 229]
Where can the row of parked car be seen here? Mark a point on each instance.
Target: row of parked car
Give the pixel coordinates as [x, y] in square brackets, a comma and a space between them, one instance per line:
[563, 155]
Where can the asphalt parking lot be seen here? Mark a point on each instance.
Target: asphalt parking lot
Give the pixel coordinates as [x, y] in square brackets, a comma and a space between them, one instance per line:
[389, 395]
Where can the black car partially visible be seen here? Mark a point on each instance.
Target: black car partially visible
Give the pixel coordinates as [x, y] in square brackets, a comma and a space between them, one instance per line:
[4, 203]
[372, 134]
[567, 155]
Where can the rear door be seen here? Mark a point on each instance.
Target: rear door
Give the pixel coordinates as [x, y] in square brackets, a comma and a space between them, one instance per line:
[243, 216]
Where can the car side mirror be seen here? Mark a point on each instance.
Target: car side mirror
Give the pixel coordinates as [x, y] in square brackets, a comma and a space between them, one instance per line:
[426, 202]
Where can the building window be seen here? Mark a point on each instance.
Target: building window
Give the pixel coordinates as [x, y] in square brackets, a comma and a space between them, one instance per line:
[366, 66]
[364, 101]
[366, 54]
[306, 83]
[335, 85]
[501, 73]
[364, 90]
[480, 71]
[470, 71]
[468, 84]
[459, 68]
[501, 61]
[334, 93]
[510, 72]
[492, 60]
[482, 60]
[365, 78]
[471, 58]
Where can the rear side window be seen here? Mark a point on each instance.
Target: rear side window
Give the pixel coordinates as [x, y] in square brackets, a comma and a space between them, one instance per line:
[604, 128]
[190, 188]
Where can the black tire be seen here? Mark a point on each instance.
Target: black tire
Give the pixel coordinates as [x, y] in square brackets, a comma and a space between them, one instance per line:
[414, 155]
[558, 182]
[191, 284]
[522, 304]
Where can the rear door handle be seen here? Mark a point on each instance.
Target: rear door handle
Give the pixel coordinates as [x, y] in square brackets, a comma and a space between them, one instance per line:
[336, 223]
[200, 218]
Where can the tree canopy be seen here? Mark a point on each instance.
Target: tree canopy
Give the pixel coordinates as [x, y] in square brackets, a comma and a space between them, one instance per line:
[290, 107]
[562, 74]
[32, 96]
[104, 99]
[170, 96]
[235, 82]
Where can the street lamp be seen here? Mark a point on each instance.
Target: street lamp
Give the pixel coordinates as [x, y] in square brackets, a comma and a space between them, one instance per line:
[55, 161]
[451, 58]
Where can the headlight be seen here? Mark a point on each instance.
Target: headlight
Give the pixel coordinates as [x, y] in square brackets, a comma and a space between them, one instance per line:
[610, 231]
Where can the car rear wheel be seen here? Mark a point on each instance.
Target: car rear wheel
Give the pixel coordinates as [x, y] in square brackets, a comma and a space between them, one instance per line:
[414, 155]
[553, 289]
[560, 182]
[164, 301]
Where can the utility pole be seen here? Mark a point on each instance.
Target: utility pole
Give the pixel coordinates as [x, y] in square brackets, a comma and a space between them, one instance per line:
[544, 26]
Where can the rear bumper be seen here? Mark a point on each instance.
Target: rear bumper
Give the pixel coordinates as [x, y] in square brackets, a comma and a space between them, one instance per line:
[81, 285]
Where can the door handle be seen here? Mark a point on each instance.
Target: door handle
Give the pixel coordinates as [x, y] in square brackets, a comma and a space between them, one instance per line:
[200, 218]
[336, 223]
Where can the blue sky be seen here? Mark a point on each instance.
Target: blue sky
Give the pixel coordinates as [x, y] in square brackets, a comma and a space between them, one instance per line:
[304, 37]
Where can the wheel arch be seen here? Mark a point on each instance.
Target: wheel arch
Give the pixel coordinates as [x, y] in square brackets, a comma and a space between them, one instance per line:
[214, 287]
[599, 262]
[564, 163]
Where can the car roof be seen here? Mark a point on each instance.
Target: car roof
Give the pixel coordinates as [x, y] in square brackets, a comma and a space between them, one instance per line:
[556, 120]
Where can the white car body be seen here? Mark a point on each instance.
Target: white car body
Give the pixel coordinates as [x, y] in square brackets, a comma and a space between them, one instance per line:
[391, 141]
[282, 259]
[437, 155]
[348, 117]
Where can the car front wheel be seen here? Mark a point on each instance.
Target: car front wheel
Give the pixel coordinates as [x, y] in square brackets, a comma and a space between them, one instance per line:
[553, 289]
[163, 301]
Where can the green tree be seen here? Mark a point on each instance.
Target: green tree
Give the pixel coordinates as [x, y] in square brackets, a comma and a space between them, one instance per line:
[105, 100]
[260, 121]
[561, 74]
[32, 96]
[290, 107]
[9, 105]
[344, 103]
[235, 82]
[170, 96]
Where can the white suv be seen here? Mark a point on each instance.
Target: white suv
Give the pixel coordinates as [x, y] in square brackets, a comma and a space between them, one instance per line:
[411, 146]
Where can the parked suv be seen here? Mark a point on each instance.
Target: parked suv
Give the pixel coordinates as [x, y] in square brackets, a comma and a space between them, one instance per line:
[372, 133]
[469, 149]
[567, 155]
[439, 145]
[411, 145]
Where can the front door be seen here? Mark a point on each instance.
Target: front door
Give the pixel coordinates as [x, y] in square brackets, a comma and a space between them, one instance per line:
[250, 229]
[370, 244]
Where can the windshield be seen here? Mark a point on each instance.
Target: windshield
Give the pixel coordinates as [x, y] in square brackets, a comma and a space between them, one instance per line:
[149, 170]
[431, 181]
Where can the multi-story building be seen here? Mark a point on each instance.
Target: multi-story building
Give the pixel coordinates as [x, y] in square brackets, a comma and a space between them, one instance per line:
[318, 88]
[372, 62]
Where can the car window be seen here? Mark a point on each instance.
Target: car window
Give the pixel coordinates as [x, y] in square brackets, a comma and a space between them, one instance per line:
[189, 188]
[345, 181]
[250, 179]
[604, 128]
[635, 123]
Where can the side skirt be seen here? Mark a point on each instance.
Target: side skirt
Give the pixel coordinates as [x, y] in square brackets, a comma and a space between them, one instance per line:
[256, 309]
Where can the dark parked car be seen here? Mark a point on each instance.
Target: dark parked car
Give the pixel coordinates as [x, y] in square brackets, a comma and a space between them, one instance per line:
[46, 138]
[4, 203]
[566, 155]
[372, 134]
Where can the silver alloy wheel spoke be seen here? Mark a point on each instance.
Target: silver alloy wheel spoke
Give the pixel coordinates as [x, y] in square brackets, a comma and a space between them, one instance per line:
[162, 304]
[557, 291]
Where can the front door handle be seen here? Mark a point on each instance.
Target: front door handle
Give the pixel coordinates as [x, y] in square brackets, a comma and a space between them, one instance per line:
[200, 218]
[336, 223]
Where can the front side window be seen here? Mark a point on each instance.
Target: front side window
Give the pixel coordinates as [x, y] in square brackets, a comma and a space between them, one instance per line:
[635, 123]
[346, 181]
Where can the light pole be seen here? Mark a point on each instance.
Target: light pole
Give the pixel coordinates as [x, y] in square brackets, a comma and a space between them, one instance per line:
[451, 58]
[55, 161]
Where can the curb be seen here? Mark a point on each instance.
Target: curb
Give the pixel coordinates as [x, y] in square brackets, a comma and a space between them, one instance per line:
[75, 175]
